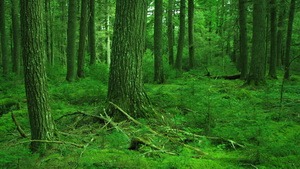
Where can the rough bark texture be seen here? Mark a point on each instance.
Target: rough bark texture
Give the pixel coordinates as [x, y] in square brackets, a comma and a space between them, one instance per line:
[289, 40]
[71, 41]
[178, 65]
[41, 122]
[257, 69]
[170, 32]
[158, 59]
[3, 38]
[125, 87]
[191, 7]
[92, 39]
[273, 50]
[82, 38]
[243, 39]
[16, 36]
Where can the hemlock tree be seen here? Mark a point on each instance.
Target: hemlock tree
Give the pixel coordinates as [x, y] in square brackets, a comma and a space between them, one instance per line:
[257, 69]
[178, 64]
[191, 7]
[3, 38]
[125, 87]
[170, 31]
[92, 39]
[273, 50]
[16, 36]
[41, 122]
[243, 38]
[158, 59]
[289, 39]
[71, 41]
[82, 38]
[280, 30]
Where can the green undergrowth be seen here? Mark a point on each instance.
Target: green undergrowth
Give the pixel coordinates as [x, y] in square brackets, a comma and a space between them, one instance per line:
[263, 128]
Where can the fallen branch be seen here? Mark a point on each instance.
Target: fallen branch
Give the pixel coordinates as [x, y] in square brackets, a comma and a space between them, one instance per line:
[22, 133]
[55, 142]
[156, 133]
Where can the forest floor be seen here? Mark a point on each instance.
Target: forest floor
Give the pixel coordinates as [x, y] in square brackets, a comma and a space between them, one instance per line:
[200, 122]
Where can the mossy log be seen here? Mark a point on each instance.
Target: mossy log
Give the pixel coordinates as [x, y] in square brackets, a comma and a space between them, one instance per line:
[7, 105]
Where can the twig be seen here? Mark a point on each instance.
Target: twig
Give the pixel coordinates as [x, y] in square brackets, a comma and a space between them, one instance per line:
[22, 133]
[55, 142]
[86, 147]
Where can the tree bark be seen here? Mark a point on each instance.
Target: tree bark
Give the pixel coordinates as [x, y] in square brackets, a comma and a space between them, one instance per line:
[92, 39]
[243, 38]
[170, 32]
[3, 38]
[289, 39]
[280, 34]
[257, 69]
[158, 59]
[273, 51]
[191, 7]
[125, 87]
[178, 65]
[82, 38]
[41, 122]
[71, 41]
[16, 36]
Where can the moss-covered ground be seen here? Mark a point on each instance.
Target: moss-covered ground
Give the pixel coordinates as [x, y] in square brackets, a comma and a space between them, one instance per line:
[254, 127]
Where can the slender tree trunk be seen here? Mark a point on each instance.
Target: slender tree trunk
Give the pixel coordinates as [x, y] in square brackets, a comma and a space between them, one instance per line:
[41, 122]
[3, 38]
[280, 35]
[16, 36]
[170, 31]
[92, 39]
[48, 32]
[178, 65]
[125, 87]
[191, 7]
[82, 38]
[108, 41]
[71, 41]
[243, 38]
[158, 59]
[289, 39]
[273, 52]
[257, 69]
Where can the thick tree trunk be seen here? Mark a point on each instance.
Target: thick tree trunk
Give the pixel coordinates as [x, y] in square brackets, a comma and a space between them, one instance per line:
[280, 34]
[257, 69]
[125, 87]
[289, 40]
[41, 122]
[92, 39]
[158, 59]
[170, 32]
[191, 7]
[16, 36]
[71, 40]
[273, 52]
[178, 65]
[3, 38]
[82, 38]
[243, 39]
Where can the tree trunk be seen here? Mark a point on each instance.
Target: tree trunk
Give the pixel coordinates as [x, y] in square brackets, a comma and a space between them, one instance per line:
[191, 7]
[257, 69]
[82, 38]
[125, 87]
[92, 39]
[16, 36]
[158, 59]
[170, 32]
[108, 41]
[289, 39]
[41, 122]
[280, 35]
[71, 40]
[273, 52]
[3, 38]
[243, 38]
[178, 65]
